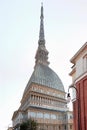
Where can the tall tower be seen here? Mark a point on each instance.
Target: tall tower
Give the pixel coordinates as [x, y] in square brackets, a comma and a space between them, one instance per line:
[44, 96]
[42, 53]
[79, 79]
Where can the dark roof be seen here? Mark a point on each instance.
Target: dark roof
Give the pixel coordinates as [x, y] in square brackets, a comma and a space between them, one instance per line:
[44, 75]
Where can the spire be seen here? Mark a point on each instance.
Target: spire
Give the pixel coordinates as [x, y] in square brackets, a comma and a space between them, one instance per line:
[42, 53]
[41, 33]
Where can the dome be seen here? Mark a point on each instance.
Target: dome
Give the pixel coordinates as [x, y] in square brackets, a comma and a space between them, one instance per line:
[44, 75]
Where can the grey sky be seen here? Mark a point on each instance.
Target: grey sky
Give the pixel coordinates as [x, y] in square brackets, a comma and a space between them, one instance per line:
[65, 24]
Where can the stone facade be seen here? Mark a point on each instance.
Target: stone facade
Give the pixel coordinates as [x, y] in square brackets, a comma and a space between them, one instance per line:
[44, 97]
[47, 106]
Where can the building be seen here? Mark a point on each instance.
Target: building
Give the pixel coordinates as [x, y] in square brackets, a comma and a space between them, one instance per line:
[79, 79]
[44, 96]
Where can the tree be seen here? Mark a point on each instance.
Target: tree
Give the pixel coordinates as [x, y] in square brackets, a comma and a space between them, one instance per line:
[30, 124]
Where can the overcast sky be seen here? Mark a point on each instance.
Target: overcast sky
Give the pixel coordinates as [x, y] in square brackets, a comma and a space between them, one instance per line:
[65, 25]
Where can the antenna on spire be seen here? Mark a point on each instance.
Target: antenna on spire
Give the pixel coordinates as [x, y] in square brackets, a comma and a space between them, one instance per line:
[41, 33]
[41, 3]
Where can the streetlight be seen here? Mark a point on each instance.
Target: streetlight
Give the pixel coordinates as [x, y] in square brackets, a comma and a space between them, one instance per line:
[78, 105]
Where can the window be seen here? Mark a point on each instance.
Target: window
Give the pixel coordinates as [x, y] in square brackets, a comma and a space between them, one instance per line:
[46, 115]
[85, 63]
[65, 117]
[59, 127]
[65, 127]
[39, 115]
[60, 117]
[32, 114]
[70, 126]
[71, 116]
[53, 116]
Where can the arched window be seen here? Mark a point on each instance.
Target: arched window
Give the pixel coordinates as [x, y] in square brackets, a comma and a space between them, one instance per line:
[46, 115]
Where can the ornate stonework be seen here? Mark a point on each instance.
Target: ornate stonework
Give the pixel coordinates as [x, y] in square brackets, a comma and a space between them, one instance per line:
[44, 96]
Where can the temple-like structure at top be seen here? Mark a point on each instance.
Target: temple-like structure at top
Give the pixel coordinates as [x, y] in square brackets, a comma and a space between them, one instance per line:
[44, 95]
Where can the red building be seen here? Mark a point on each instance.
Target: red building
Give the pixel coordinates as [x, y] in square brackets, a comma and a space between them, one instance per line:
[79, 79]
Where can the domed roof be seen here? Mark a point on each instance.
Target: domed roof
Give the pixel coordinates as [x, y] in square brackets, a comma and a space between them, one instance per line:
[44, 75]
